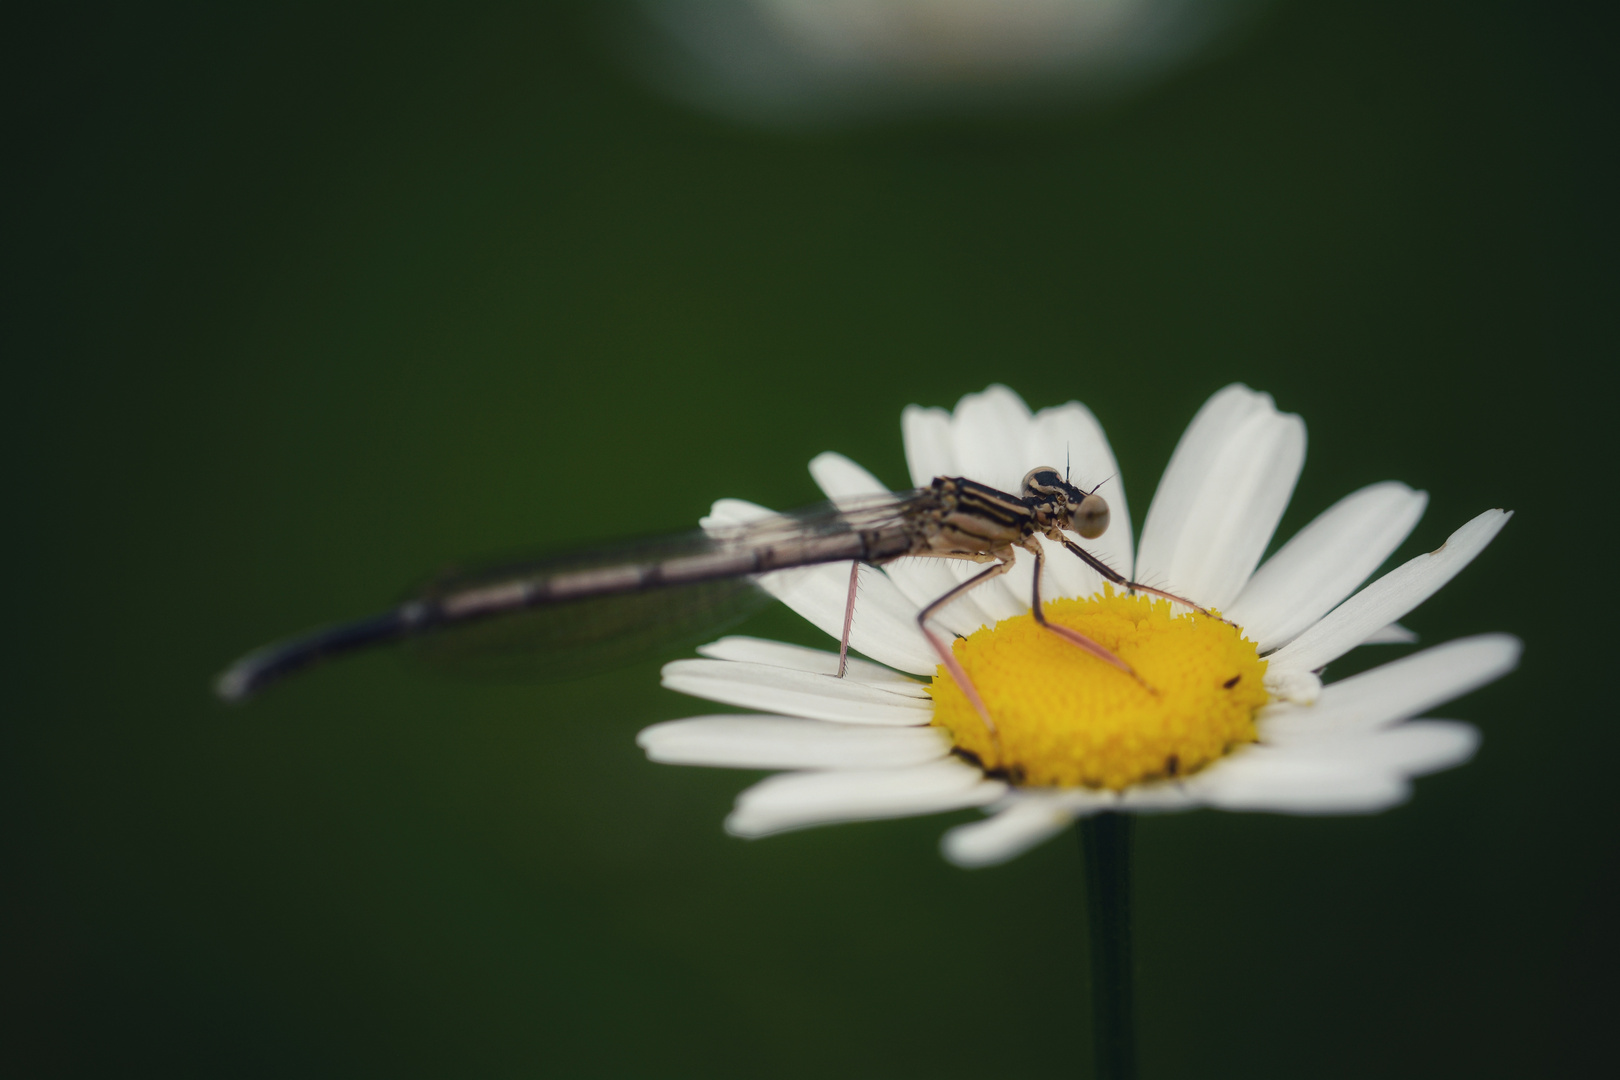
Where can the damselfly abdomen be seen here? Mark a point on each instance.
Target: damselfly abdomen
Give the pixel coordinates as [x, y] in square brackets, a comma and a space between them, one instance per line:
[626, 594]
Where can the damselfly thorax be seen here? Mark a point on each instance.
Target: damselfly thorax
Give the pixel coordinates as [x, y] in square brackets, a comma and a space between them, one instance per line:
[952, 518]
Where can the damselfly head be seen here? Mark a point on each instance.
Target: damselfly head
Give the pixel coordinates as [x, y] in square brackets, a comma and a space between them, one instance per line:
[1084, 512]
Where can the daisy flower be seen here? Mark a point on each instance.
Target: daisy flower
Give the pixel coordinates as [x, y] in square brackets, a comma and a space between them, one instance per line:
[1225, 709]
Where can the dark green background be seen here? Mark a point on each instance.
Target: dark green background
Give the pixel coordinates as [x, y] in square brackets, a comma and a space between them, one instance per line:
[312, 301]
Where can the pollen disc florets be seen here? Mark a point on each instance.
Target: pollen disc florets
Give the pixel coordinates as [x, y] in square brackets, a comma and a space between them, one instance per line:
[1068, 719]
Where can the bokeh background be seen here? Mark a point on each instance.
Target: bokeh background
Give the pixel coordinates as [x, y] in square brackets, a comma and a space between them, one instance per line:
[314, 300]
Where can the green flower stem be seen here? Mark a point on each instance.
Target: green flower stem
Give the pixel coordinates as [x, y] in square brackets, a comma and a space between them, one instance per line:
[1105, 840]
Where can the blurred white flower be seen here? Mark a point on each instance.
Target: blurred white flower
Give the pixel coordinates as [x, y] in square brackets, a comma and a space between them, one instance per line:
[827, 60]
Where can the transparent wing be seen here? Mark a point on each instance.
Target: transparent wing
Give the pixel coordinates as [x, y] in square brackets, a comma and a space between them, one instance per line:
[583, 637]
[559, 614]
[590, 633]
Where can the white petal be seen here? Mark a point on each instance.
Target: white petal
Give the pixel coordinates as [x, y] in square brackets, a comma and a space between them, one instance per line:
[753, 650]
[1262, 779]
[930, 451]
[885, 626]
[1179, 487]
[727, 512]
[1026, 820]
[1410, 749]
[1156, 796]
[1394, 691]
[1029, 816]
[778, 742]
[1388, 598]
[1014, 590]
[839, 477]
[1297, 687]
[989, 431]
[798, 800]
[1419, 747]
[1393, 634]
[1222, 495]
[793, 693]
[1066, 575]
[1325, 561]
[996, 597]
[923, 580]
[1069, 436]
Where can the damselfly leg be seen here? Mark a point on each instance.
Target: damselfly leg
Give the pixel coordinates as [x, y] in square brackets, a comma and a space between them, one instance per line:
[1003, 562]
[946, 656]
[1127, 584]
[849, 618]
[1074, 637]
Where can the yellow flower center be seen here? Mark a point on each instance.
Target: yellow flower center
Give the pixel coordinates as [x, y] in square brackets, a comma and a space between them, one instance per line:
[1066, 718]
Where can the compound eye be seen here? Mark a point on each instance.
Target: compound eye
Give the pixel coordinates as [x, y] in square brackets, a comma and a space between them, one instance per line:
[1091, 518]
[1041, 480]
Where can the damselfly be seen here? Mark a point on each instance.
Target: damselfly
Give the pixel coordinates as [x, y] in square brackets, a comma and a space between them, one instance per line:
[952, 518]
